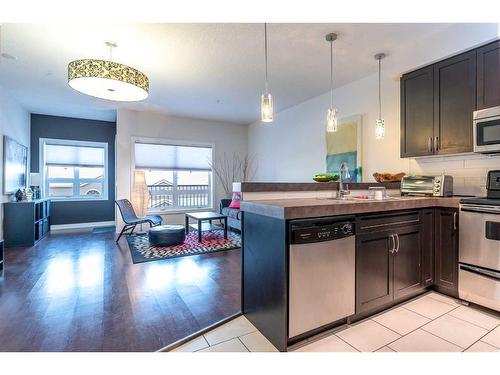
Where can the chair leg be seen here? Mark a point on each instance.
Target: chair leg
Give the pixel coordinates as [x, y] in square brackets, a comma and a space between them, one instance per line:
[132, 231]
[121, 233]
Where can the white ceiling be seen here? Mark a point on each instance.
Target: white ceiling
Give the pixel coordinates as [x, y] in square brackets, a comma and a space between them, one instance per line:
[211, 71]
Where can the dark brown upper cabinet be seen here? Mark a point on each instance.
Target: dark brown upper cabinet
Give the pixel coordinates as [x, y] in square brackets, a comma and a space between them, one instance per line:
[488, 75]
[437, 103]
[417, 112]
[454, 102]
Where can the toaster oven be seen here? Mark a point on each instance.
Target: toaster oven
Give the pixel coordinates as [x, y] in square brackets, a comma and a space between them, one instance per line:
[434, 186]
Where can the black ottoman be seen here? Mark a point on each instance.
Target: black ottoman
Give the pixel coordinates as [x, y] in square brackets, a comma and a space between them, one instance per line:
[167, 235]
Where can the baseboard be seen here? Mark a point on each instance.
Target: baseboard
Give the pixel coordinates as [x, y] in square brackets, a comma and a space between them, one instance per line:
[82, 225]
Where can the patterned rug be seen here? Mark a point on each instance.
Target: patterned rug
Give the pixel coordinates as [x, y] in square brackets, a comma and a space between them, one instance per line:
[214, 241]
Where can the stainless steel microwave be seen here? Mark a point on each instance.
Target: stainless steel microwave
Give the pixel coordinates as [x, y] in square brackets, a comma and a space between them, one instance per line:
[486, 128]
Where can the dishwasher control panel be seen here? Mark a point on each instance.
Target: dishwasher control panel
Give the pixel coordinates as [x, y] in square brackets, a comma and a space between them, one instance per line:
[320, 231]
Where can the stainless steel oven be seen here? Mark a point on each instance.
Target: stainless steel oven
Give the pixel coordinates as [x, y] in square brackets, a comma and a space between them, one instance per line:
[479, 255]
[486, 130]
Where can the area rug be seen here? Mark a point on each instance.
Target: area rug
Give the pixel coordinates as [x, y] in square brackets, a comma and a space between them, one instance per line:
[212, 242]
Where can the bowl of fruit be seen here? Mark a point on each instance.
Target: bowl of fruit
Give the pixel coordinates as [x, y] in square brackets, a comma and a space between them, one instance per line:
[326, 177]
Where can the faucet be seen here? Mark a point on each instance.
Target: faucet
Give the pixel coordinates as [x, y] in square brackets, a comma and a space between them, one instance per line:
[342, 191]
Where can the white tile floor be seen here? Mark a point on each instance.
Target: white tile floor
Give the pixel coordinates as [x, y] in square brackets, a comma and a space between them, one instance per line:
[430, 323]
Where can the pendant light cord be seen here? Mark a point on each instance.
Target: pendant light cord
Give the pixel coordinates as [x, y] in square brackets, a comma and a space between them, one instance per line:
[265, 52]
[379, 90]
[331, 74]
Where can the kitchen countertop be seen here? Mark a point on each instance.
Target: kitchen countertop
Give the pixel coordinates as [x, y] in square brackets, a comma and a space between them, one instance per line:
[316, 207]
[312, 186]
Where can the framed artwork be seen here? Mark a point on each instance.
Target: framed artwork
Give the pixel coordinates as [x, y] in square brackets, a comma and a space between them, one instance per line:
[344, 145]
[15, 165]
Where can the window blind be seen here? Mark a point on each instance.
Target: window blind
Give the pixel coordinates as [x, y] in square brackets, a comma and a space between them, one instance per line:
[67, 155]
[172, 157]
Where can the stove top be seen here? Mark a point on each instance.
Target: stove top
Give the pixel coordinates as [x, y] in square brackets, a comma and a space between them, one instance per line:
[483, 201]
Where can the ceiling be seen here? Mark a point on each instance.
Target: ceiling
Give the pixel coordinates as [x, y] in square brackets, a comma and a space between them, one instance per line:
[210, 71]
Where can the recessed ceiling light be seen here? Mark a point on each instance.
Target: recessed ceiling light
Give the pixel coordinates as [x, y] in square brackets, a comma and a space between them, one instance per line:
[8, 56]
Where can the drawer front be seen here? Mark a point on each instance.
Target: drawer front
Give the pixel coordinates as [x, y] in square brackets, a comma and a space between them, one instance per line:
[477, 288]
[380, 222]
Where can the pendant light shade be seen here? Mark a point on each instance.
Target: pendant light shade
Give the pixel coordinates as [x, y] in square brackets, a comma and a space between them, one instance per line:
[266, 99]
[266, 108]
[107, 79]
[379, 123]
[332, 113]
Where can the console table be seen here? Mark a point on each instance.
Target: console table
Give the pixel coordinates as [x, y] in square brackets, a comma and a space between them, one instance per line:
[25, 222]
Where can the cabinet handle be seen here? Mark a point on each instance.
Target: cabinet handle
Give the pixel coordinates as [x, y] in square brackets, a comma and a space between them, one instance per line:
[454, 221]
[429, 144]
[436, 144]
[397, 238]
[391, 250]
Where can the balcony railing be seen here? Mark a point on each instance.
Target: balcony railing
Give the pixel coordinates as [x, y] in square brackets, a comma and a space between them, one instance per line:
[168, 197]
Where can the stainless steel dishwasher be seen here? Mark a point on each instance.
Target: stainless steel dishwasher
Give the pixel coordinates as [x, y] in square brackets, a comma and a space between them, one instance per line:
[321, 273]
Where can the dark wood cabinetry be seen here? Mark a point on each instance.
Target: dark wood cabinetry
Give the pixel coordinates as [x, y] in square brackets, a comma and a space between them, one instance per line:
[446, 250]
[454, 102]
[427, 247]
[388, 261]
[437, 101]
[27, 222]
[1, 256]
[488, 75]
[417, 112]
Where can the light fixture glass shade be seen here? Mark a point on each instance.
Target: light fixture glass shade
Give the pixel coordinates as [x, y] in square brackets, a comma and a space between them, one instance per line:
[108, 80]
[380, 129]
[140, 194]
[266, 108]
[332, 120]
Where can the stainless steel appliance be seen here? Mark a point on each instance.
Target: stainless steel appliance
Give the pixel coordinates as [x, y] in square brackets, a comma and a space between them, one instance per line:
[486, 130]
[321, 273]
[436, 186]
[479, 255]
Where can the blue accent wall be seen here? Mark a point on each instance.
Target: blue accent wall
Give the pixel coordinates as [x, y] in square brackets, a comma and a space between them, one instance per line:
[43, 126]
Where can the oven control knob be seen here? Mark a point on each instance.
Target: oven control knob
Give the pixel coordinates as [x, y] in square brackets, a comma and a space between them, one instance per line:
[346, 228]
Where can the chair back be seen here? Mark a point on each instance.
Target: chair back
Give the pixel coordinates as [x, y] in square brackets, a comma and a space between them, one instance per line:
[126, 210]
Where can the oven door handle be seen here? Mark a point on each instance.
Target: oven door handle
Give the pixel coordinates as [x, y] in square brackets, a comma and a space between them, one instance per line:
[480, 209]
[494, 275]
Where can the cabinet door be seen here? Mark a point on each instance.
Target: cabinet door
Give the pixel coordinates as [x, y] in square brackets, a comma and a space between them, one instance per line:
[446, 251]
[407, 261]
[488, 76]
[454, 102]
[374, 264]
[417, 109]
[427, 247]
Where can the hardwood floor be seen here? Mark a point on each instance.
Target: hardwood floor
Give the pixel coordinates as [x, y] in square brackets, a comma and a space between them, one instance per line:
[81, 292]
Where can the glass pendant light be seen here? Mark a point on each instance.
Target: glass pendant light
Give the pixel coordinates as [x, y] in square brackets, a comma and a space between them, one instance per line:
[266, 99]
[379, 123]
[332, 114]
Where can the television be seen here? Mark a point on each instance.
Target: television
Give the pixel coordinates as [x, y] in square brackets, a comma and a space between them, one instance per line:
[15, 165]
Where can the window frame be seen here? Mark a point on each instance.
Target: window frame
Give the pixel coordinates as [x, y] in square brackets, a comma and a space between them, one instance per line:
[76, 180]
[175, 142]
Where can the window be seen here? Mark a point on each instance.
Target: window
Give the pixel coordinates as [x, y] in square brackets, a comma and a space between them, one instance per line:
[178, 177]
[74, 170]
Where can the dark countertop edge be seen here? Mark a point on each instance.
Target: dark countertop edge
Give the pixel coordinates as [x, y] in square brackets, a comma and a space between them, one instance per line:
[303, 212]
[247, 187]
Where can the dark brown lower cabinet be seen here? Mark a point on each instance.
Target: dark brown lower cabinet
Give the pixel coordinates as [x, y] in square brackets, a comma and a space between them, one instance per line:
[388, 266]
[446, 250]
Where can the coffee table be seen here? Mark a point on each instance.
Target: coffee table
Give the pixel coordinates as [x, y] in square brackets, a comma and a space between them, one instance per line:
[201, 227]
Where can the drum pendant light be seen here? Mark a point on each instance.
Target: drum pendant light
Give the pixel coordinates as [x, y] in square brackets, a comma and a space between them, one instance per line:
[379, 123]
[107, 79]
[332, 113]
[266, 99]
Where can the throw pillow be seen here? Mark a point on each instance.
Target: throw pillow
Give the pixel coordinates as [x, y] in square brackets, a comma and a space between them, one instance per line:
[235, 202]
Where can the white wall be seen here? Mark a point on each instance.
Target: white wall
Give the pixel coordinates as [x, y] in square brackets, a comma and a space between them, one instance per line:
[15, 123]
[292, 147]
[227, 138]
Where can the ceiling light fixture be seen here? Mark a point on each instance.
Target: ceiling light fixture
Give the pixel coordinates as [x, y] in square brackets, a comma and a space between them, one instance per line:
[266, 99]
[332, 114]
[379, 123]
[107, 79]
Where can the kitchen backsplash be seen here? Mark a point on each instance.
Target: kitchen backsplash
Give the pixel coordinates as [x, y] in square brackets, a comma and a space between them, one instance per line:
[469, 171]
